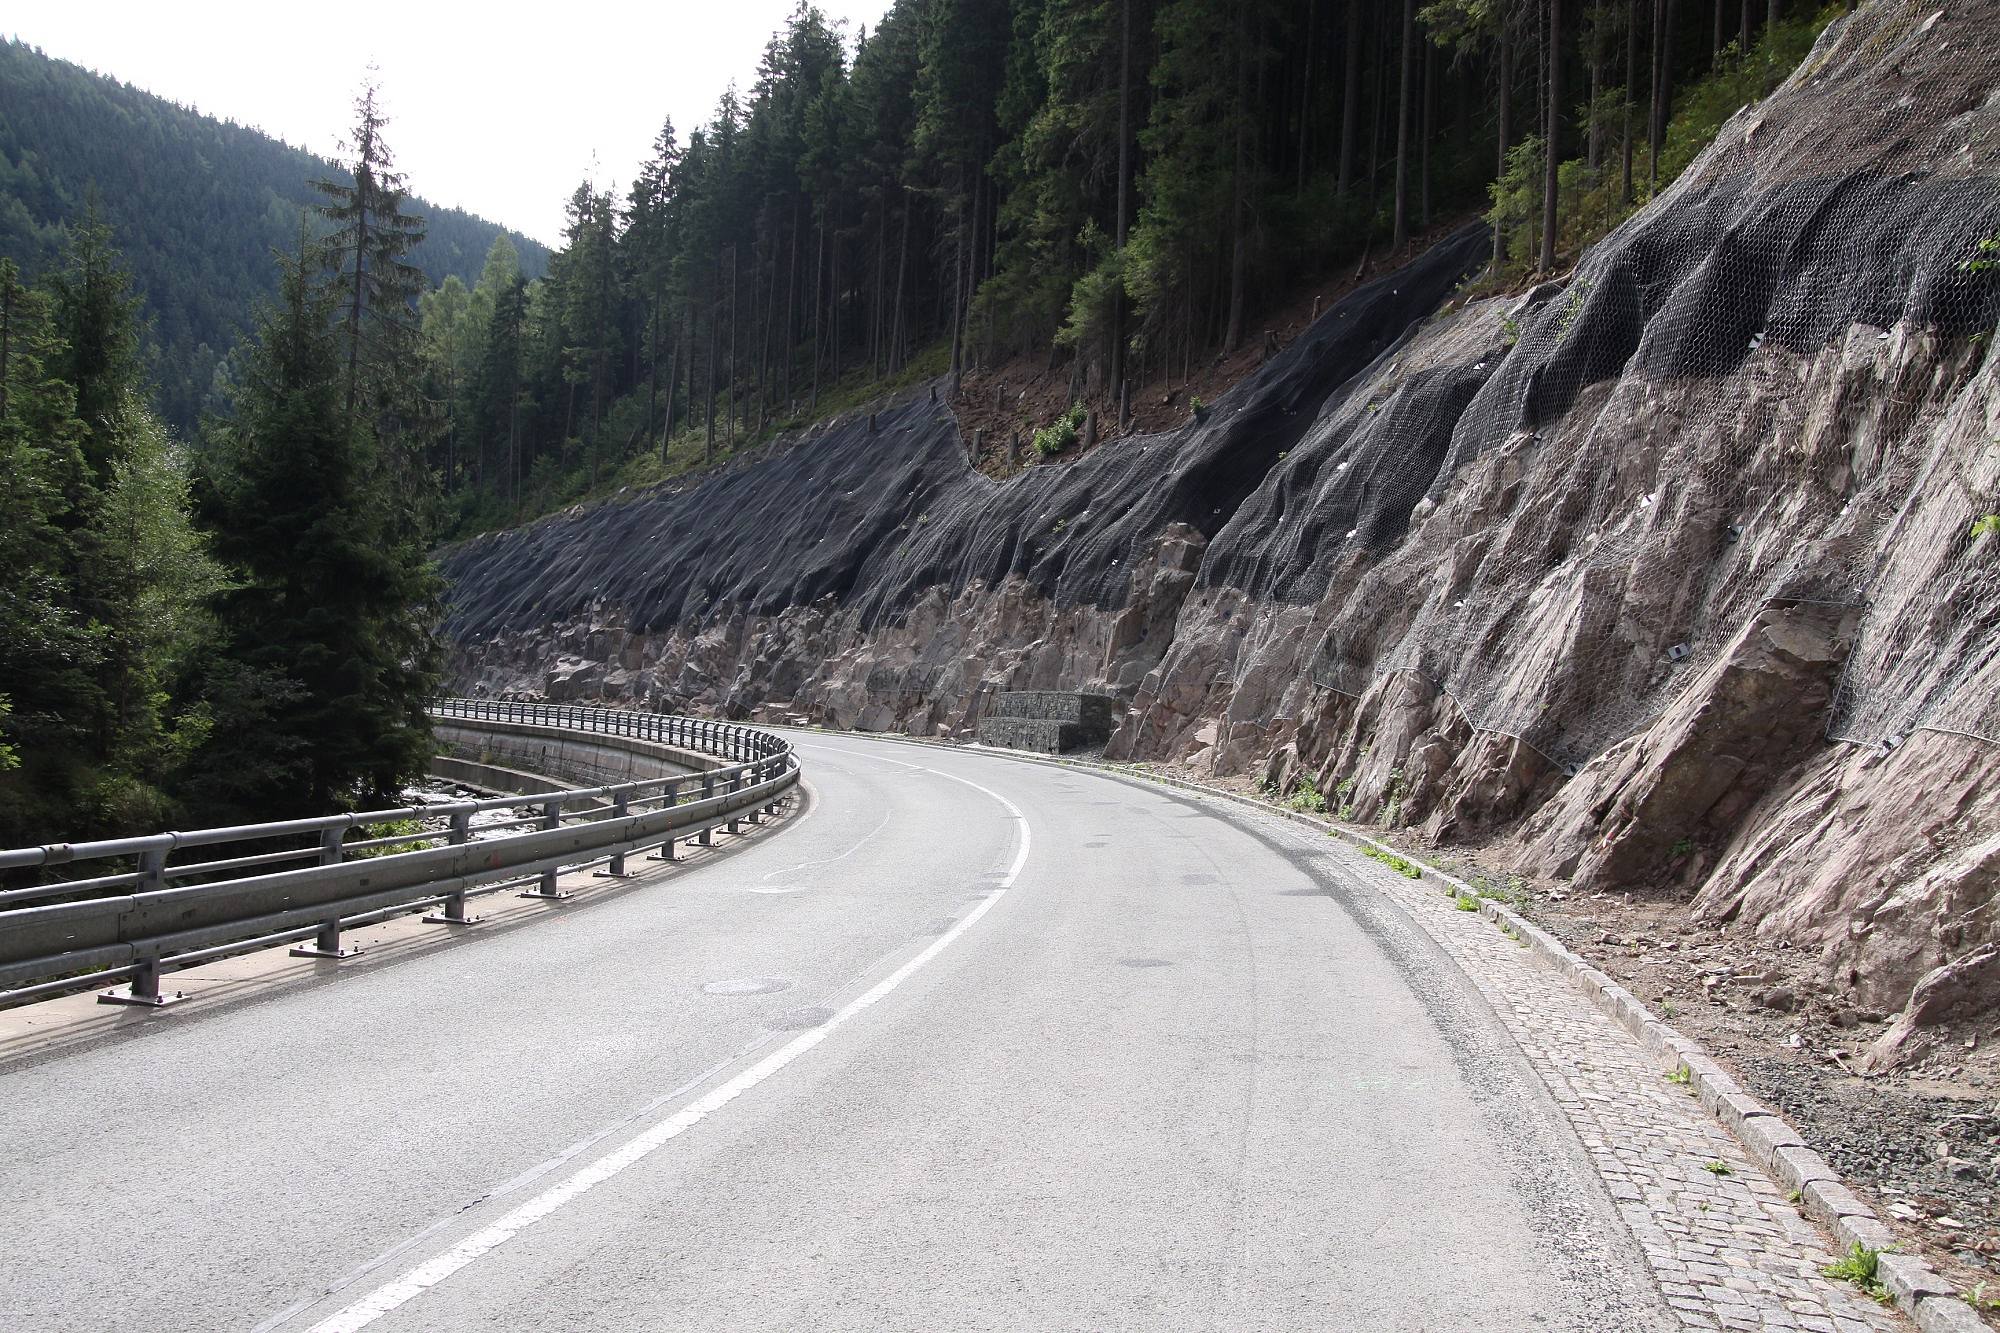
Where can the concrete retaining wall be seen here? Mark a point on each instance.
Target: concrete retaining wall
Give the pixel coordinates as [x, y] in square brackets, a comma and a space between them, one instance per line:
[507, 753]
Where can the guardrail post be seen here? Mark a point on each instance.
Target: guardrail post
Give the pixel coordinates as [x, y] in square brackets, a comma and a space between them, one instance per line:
[144, 988]
[452, 913]
[547, 890]
[735, 786]
[621, 806]
[707, 835]
[666, 852]
[326, 944]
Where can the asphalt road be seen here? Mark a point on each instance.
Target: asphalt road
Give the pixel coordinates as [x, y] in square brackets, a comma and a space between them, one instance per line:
[972, 1043]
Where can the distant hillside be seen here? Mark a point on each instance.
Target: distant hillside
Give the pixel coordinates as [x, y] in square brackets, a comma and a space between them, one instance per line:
[197, 205]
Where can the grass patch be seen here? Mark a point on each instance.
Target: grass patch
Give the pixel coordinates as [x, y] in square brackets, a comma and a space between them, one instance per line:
[1718, 1168]
[1467, 902]
[1400, 865]
[1681, 1076]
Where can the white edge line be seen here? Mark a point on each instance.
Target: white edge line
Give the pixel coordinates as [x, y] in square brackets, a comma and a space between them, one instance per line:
[426, 1275]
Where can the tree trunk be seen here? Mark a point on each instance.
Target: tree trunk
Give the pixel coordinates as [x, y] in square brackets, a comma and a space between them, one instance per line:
[1594, 152]
[833, 304]
[1305, 93]
[1661, 79]
[875, 306]
[1424, 155]
[1350, 98]
[708, 408]
[735, 269]
[1552, 143]
[667, 431]
[819, 282]
[790, 338]
[958, 279]
[902, 265]
[1240, 190]
[1124, 192]
[1399, 234]
[1631, 71]
[1504, 96]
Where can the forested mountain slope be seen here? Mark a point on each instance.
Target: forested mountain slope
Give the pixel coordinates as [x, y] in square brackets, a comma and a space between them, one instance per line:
[1674, 574]
[196, 205]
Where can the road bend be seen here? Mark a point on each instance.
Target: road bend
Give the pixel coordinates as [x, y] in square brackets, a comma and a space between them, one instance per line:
[969, 1043]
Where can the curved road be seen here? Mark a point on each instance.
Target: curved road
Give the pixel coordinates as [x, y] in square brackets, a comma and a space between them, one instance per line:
[968, 1043]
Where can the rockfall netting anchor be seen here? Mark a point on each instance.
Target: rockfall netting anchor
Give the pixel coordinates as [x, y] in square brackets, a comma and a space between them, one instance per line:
[547, 891]
[452, 911]
[326, 944]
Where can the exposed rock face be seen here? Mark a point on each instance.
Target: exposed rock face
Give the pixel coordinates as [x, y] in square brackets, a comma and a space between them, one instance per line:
[1656, 558]
[1643, 814]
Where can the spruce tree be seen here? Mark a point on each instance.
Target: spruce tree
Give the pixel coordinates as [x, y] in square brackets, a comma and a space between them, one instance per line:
[367, 252]
[328, 651]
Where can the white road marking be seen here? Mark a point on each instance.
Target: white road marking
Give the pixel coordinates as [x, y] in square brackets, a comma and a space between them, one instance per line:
[813, 865]
[428, 1274]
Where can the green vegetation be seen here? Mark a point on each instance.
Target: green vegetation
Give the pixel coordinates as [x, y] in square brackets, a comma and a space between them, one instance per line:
[1392, 810]
[1466, 902]
[1860, 1265]
[1979, 1300]
[196, 204]
[1408, 869]
[1062, 433]
[1718, 1168]
[235, 629]
[1306, 797]
[1596, 191]
[1682, 848]
[411, 831]
[1681, 1075]
[1988, 526]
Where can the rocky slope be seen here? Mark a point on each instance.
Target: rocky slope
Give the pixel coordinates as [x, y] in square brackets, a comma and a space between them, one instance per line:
[1661, 577]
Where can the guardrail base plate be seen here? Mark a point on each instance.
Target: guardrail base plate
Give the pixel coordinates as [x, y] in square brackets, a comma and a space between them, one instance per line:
[606, 874]
[314, 951]
[560, 895]
[123, 995]
[434, 919]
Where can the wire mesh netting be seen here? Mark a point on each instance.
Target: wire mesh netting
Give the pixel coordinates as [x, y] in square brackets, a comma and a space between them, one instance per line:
[1772, 387]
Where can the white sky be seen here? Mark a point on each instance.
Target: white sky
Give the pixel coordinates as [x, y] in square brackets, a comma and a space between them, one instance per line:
[498, 108]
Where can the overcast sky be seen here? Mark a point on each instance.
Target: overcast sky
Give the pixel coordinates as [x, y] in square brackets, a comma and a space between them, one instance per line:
[498, 108]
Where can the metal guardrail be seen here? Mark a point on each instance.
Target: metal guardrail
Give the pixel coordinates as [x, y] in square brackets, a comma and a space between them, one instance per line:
[149, 914]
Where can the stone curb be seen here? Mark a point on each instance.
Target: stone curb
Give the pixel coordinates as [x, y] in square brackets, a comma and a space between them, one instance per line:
[1766, 1136]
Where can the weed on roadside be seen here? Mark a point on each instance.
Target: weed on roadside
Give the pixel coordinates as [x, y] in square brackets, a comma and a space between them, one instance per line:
[1860, 1265]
